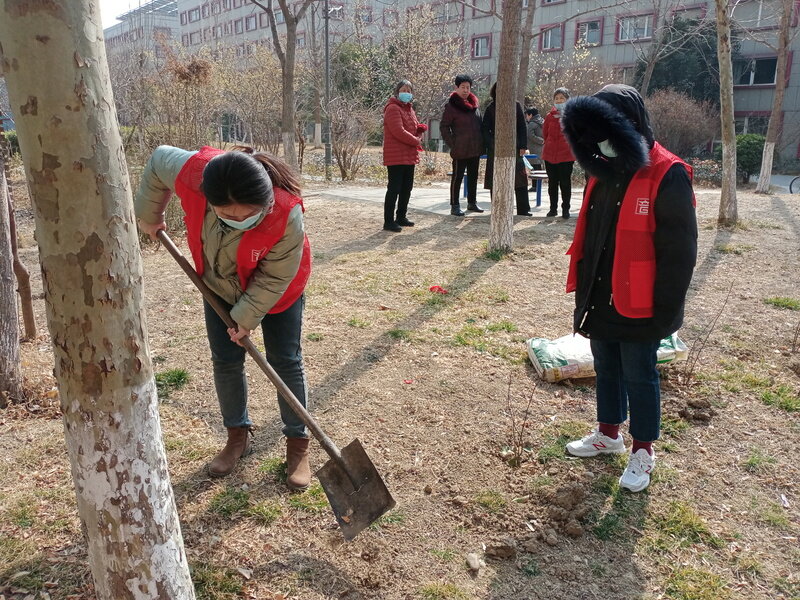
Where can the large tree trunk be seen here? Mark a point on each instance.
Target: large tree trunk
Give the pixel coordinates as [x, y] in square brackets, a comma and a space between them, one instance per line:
[55, 65]
[501, 236]
[525, 52]
[10, 376]
[727, 204]
[773, 129]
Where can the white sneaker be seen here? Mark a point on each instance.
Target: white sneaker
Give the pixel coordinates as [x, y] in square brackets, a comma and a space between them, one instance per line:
[596, 443]
[637, 474]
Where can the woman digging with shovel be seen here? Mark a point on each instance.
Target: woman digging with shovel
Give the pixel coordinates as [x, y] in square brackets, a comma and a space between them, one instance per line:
[244, 228]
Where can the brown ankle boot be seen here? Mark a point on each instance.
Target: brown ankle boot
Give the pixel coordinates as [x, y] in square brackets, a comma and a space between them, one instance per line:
[298, 473]
[238, 445]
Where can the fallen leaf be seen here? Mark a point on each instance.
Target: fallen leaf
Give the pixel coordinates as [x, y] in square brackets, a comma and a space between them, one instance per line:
[408, 381]
[246, 573]
[784, 501]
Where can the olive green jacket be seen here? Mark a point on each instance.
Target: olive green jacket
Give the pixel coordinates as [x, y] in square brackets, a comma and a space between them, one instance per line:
[220, 243]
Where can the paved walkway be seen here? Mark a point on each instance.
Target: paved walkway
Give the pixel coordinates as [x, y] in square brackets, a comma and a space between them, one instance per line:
[435, 198]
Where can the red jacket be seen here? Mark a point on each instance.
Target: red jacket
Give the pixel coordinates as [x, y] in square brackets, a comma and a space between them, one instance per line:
[255, 243]
[400, 126]
[556, 149]
[634, 271]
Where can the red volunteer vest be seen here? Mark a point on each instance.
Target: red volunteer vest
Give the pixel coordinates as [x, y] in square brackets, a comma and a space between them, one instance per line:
[255, 242]
[634, 270]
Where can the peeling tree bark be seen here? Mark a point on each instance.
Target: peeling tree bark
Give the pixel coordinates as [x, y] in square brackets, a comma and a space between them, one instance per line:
[55, 65]
[727, 205]
[501, 236]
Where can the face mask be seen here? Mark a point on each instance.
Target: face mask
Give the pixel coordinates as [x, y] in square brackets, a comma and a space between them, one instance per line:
[246, 224]
[560, 106]
[606, 149]
[405, 97]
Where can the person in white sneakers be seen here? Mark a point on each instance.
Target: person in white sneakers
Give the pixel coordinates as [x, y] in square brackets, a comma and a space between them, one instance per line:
[631, 263]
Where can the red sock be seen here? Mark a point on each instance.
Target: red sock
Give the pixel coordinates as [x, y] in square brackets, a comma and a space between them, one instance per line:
[646, 445]
[607, 430]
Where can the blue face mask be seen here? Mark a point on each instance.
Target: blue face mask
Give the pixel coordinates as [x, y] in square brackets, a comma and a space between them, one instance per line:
[560, 106]
[405, 97]
[246, 224]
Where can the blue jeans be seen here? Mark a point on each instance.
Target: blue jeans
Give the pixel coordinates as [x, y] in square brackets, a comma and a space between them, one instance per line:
[627, 380]
[282, 343]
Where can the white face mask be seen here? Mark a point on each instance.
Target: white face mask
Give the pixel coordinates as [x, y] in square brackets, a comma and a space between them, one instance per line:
[246, 224]
[606, 149]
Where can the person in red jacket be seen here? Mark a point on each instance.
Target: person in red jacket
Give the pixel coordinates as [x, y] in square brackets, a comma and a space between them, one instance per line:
[244, 228]
[401, 147]
[631, 264]
[557, 156]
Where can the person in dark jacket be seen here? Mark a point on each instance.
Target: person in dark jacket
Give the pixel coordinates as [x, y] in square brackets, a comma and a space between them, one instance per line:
[534, 123]
[401, 148]
[520, 172]
[461, 131]
[558, 159]
[631, 263]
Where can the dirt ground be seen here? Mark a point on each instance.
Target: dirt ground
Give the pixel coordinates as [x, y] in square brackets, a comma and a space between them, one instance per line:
[436, 387]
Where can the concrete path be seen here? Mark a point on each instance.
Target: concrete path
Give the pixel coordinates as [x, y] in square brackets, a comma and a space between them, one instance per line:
[779, 181]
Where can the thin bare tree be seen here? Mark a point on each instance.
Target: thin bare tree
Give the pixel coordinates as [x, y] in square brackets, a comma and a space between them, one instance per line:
[10, 375]
[55, 65]
[728, 214]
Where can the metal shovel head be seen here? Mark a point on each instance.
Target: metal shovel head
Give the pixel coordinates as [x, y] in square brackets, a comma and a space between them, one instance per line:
[355, 507]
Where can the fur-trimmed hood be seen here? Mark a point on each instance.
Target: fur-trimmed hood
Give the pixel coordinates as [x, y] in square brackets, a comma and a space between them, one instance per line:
[616, 113]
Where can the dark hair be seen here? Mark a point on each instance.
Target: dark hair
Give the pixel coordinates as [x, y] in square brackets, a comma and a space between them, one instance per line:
[244, 176]
[400, 84]
[562, 91]
[493, 91]
[532, 111]
[464, 79]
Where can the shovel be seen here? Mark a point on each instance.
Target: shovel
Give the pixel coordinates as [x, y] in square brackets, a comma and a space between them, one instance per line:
[354, 488]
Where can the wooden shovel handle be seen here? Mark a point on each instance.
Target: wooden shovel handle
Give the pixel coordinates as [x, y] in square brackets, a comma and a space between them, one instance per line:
[326, 443]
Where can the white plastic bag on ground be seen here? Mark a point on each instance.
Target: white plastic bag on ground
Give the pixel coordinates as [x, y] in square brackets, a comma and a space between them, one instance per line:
[570, 356]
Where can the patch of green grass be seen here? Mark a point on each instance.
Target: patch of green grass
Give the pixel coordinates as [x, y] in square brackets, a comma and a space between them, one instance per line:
[442, 591]
[21, 515]
[275, 467]
[229, 502]
[399, 334]
[496, 295]
[783, 302]
[673, 426]
[749, 564]
[737, 249]
[539, 485]
[772, 514]
[597, 569]
[470, 335]
[358, 323]
[391, 518]
[159, 359]
[556, 438]
[313, 500]
[31, 579]
[681, 527]
[496, 255]
[447, 555]
[491, 500]
[664, 474]
[531, 568]
[669, 447]
[214, 583]
[314, 337]
[170, 380]
[788, 587]
[687, 583]
[502, 326]
[757, 460]
[266, 512]
[782, 396]
[609, 526]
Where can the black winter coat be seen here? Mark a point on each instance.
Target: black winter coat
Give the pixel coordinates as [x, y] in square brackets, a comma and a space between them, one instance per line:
[617, 114]
[461, 127]
[488, 131]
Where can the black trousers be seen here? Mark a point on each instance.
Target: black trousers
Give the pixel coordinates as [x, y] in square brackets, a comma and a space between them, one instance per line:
[398, 192]
[559, 176]
[471, 165]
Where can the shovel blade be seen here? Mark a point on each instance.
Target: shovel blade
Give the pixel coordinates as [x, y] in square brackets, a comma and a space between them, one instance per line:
[355, 507]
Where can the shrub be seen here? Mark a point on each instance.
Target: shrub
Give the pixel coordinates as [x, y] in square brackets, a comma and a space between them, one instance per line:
[749, 148]
[707, 172]
[12, 140]
[680, 123]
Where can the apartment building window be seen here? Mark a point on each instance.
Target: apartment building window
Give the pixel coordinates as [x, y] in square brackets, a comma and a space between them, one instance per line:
[216, 7]
[545, 2]
[638, 27]
[226, 4]
[552, 38]
[184, 19]
[206, 10]
[752, 124]
[251, 23]
[336, 11]
[625, 73]
[364, 15]
[390, 17]
[237, 4]
[301, 40]
[194, 15]
[218, 31]
[688, 12]
[263, 20]
[482, 8]
[482, 46]
[238, 26]
[195, 38]
[755, 71]
[448, 11]
[589, 33]
[184, 40]
[525, 3]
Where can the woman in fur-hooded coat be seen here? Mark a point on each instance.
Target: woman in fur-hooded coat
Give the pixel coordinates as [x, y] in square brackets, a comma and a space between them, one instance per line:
[631, 263]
